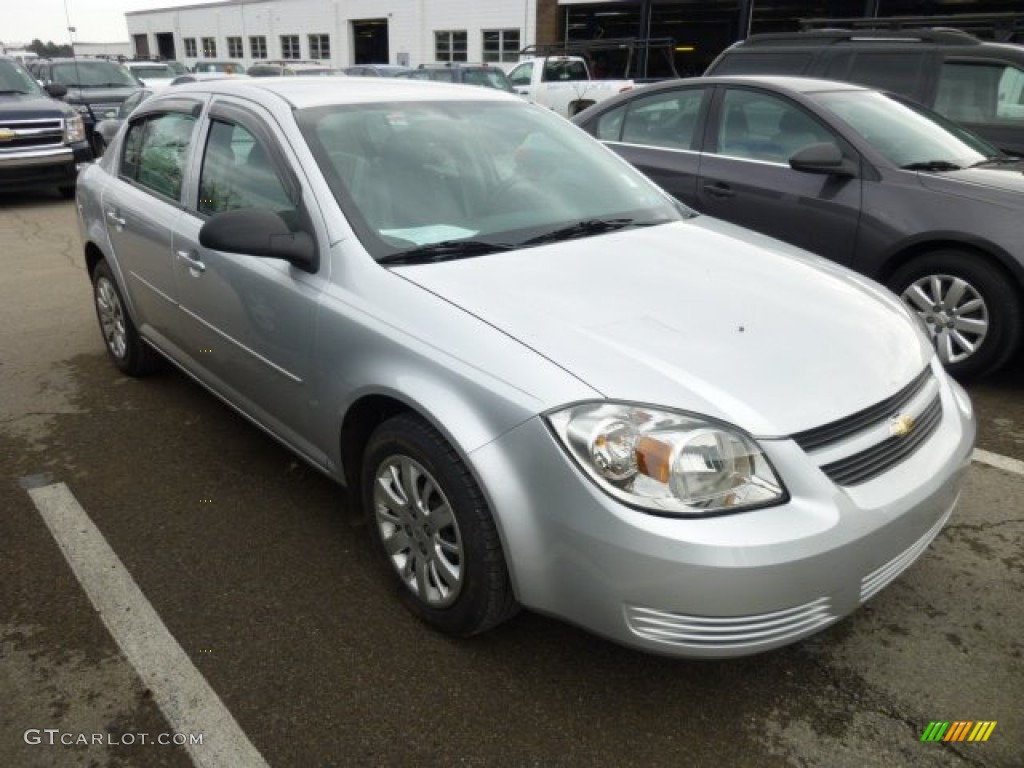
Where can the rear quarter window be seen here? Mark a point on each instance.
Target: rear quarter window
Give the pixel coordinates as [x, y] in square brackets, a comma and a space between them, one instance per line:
[887, 70]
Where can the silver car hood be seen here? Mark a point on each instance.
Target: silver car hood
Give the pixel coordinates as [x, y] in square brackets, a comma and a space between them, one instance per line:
[689, 316]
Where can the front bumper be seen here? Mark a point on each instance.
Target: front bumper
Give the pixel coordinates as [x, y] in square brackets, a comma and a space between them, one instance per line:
[725, 586]
[50, 167]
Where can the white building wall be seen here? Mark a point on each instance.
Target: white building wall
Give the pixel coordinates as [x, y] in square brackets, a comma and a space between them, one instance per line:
[411, 25]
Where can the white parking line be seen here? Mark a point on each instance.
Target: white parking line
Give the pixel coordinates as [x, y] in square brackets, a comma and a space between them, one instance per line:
[188, 702]
[1016, 466]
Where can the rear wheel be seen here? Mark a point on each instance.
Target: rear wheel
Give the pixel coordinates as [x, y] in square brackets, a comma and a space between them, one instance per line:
[971, 309]
[124, 345]
[434, 530]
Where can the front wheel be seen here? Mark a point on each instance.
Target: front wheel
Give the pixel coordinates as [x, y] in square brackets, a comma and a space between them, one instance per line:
[433, 528]
[972, 311]
[99, 145]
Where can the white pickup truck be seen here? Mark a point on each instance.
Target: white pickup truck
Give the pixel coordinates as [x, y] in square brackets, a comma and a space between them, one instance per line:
[562, 83]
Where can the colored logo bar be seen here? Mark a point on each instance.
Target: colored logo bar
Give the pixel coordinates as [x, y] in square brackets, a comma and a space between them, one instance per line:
[958, 730]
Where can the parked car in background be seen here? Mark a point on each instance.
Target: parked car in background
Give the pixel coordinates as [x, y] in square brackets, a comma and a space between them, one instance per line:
[563, 84]
[975, 83]
[543, 380]
[106, 129]
[291, 68]
[226, 67]
[152, 74]
[374, 70]
[94, 87]
[867, 179]
[485, 75]
[196, 77]
[42, 139]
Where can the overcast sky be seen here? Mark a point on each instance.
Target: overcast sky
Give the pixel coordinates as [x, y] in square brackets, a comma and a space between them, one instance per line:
[95, 21]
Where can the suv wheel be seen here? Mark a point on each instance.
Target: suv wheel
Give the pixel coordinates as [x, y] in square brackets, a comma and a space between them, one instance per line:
[970, 309]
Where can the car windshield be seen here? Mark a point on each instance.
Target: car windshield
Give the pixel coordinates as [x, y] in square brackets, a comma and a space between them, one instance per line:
[482, 173]
[92, 74]
[907, 135]
[14, 79]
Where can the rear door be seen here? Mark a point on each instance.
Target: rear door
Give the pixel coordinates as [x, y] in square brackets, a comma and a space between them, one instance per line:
[141, 210]
[660, 134]
[745, 175]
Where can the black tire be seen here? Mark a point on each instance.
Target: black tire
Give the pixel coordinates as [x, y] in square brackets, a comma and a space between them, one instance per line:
[126, 348]
[449, 567]
[99, 145]
[971, 307]
[67, 192]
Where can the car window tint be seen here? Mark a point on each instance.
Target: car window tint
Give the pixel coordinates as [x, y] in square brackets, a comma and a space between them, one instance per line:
[761, 126]
[568, 69]
[664, 119]
[762, 63]
[237, 173]
[156, 151]
[897, 72]
[975, 92]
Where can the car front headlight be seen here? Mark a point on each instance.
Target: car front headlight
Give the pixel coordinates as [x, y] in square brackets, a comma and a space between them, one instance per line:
[667, 462]
[74, 129]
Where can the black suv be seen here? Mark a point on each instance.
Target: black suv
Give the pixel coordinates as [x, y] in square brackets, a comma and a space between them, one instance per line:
[42, 140]
[979, 85]
[94, 87]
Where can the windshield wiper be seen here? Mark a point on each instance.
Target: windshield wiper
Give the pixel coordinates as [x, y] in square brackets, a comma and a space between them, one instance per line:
[589, 227]
[14, 90]
[932, 165]
[443, 251]
[995, 160]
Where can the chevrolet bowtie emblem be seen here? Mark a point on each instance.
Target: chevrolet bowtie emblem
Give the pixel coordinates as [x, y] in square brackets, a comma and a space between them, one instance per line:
[901, 425]
[6, 134]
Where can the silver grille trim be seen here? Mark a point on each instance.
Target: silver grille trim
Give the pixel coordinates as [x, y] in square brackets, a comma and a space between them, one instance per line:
[882, 576]
[717, 632]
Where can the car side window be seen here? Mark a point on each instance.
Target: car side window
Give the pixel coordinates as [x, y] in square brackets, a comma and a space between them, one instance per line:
[522, 74]
[981, 92]
[666, 119]
[156, 151]
[761, 126]
[237, 173]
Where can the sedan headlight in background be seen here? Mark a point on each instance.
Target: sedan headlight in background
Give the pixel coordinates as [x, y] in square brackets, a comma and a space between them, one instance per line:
[666, 462]
[74, 129]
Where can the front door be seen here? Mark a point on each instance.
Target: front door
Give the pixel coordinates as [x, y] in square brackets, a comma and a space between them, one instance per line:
[745, 177]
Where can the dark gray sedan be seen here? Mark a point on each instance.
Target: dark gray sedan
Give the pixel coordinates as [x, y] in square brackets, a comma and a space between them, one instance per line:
[859, 176]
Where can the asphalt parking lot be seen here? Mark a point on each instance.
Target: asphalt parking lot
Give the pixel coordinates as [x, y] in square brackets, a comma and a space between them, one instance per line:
[286, 648]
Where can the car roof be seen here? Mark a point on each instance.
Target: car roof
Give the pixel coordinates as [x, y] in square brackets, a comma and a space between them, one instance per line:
[783, 82]
[303, 92]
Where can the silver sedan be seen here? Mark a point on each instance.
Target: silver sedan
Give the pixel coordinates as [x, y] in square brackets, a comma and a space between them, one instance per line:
[544, 382]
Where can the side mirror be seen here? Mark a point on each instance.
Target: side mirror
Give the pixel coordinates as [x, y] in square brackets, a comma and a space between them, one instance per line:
[825, 158]
[259, 232]
[56, 90]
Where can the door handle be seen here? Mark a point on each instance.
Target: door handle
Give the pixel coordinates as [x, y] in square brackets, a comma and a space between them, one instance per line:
[192, 257]
[719, 190]
[115, 219]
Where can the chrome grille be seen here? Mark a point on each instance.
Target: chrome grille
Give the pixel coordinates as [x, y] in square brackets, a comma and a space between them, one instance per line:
[33, 134]
[711, 632]
[868, 464]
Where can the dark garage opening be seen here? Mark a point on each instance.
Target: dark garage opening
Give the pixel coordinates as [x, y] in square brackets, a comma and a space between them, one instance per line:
[370, 41]
[165, 45]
